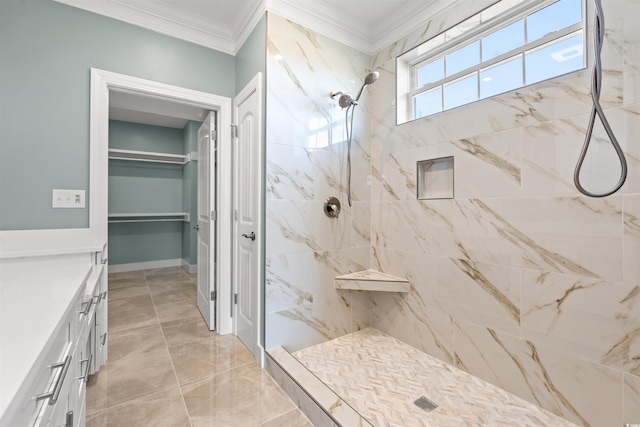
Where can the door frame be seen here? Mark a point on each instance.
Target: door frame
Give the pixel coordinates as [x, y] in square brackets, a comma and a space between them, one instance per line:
[102, 82]
[254, 85]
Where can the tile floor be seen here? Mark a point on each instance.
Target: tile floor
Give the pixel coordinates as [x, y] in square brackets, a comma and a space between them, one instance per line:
[165, 368]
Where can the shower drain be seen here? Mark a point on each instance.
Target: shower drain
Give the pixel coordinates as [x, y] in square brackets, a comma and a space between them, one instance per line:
[424, 403]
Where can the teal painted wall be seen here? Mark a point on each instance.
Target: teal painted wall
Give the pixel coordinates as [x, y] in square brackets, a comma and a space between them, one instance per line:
[139, 187]
[252, 55]
[190, 194]
[46, 52]
[145, 241]
[136, 136]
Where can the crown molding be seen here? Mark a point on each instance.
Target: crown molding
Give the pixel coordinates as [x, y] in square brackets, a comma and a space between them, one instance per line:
[411, 22]
[324, 20]
[321, 21]
[315, 15]
[213, 37]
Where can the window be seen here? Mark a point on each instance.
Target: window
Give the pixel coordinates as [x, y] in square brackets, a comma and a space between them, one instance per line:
[509, 45]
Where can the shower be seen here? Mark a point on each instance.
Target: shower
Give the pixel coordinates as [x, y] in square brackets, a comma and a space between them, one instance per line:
[347, 101]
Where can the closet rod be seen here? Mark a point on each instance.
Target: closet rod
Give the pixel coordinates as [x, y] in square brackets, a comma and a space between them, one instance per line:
[115, 221]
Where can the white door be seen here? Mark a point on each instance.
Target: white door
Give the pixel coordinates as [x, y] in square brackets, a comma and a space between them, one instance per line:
[207, 230]
[247, 208]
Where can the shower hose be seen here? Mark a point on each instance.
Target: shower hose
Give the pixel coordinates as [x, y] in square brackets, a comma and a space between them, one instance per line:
[348, 124]
[596, 86]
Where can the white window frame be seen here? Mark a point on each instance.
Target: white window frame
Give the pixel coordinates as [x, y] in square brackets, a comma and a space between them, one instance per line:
[458, 36]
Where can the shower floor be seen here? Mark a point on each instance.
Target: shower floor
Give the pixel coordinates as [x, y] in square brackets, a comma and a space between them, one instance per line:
[381, 377]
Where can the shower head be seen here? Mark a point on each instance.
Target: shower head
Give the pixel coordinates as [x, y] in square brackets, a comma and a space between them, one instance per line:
[368, 80]
[346, 100]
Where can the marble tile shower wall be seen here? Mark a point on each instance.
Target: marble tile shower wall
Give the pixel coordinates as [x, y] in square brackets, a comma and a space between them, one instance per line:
[306, 153]
[519, 279]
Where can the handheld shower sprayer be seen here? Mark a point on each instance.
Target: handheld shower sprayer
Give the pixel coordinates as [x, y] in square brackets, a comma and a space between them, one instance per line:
[347, 101]
[368, 80]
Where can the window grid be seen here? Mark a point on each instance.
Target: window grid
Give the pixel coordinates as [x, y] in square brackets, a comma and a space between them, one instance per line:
[443, 51]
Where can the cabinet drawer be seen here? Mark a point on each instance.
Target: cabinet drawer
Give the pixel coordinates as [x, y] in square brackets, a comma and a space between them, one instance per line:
[54, 374]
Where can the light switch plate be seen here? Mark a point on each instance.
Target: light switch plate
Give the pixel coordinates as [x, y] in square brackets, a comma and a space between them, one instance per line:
[67, 199]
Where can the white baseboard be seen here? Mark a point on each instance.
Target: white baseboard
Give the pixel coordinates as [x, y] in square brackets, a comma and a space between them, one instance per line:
[121, 268]
[191, 269]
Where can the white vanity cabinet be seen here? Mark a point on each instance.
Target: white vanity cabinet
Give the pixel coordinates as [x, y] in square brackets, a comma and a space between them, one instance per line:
[48, 345]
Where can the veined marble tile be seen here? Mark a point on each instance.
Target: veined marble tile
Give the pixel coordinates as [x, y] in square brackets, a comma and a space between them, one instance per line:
[279, 359]
[304, 68]
[631, 52]
[419, 226]
[577, 235]
[601, 169]
[282, 376]
[631, 238]
[631, 399]
[488, 165]
[288, 276]
[596, 320]
[324, 312]
[580, 391]
[392, 180]
[485, 294]
[449, 18]
[301, 226]
[418, 268]
[549, 154]
[428, 330]
[295, 173]
[361, 224]
[551, 150]
[287, 281]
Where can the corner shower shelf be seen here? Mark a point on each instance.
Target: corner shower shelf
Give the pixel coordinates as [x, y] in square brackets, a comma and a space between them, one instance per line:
[149, 217]
[148, 156]
[371, 280]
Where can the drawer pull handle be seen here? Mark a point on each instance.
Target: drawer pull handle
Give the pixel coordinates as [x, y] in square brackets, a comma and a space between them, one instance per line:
[86, 370]
[53, 395]
[87, 307]
[69, 420]
[104, 338]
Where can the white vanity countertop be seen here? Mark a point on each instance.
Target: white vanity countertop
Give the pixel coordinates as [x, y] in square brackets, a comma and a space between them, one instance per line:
[34, 295]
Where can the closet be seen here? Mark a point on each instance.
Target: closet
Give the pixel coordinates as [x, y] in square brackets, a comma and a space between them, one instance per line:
[152, 196]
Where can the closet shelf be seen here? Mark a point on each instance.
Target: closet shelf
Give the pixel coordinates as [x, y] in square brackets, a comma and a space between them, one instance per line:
[148, 156]
[148, 217]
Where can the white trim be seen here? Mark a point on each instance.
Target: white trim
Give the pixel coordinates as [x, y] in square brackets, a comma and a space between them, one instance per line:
[18, 243]
[255, 85]
[214, 38]
[320, 17]
[191, 269]
[148, 265]
[221, 37]
[104, 81]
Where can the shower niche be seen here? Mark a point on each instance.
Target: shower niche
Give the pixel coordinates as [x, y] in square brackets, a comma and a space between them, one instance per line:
[435, 178]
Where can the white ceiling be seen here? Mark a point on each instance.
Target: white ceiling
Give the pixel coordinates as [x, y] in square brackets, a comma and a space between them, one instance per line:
[367, 25]
[136, 108]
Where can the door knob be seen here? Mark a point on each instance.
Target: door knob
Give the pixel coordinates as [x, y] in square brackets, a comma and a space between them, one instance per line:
[197, 228]
[251, 236]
